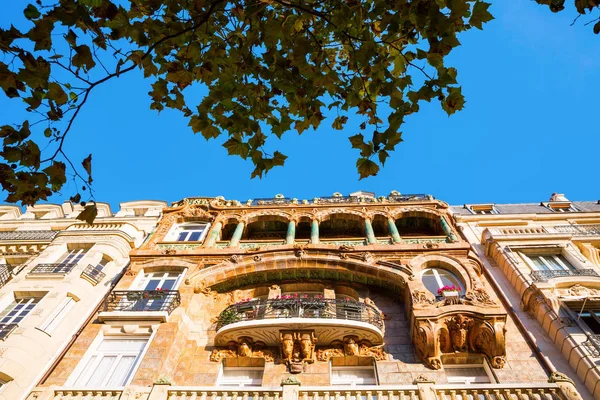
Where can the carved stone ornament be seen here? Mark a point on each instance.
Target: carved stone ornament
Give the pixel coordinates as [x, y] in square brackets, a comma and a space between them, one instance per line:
[351, 346]
[345, 247]
[244, 347]
[367, 257]
[461, 333]
[422, 379]
[236, 258]
[421, 299]
[257, 258]
[474, 297]
[299, 251]
[297, 348]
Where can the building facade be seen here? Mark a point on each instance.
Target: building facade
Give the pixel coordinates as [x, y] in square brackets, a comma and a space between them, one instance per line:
[54, 272]
[341, 297]
[546, 258]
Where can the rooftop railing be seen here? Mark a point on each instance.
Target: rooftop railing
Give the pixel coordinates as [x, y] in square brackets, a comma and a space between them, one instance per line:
[142, 300]
[300, 307]
[543, 276]
[28, 235]
[399, 198]
[52, 269]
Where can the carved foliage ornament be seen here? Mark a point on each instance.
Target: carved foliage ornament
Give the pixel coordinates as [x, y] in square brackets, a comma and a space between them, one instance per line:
[351, 346]
[244, 347]
[461, 333]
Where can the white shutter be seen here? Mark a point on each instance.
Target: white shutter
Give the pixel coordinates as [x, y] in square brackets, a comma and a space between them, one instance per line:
[54, 320]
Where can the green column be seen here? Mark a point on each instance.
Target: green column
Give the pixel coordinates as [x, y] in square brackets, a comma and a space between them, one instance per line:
[371, 239]
[314, 231]
[394, 230]
[290, 237]
[214, 234]
[448, 230]
[237, 234]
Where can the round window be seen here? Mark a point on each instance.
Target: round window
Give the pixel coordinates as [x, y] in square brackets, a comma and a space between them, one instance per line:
[436, 278]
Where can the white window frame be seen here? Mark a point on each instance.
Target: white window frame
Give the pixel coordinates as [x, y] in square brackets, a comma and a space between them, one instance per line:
[241, 383]
[58, 315]
[352, 383]
[173, 234]
[482, 209]
[550, 267]
[14, 303]
[440, 284]
[140, 280]
[93, 351]
[457, 380]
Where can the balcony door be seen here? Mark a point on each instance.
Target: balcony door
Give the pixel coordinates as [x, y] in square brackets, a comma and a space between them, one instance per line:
[155, 287]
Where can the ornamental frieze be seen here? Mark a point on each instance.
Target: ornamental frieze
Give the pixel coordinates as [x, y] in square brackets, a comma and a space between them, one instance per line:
[461, 334]
[244, 347]
[477, 297]
[351, 346]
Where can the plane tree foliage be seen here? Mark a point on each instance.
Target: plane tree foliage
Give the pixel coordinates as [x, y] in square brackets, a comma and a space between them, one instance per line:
[268, 68]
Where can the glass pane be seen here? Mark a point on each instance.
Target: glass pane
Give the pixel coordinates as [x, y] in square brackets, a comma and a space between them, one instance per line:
[83, 377]
[538, 263]
[444, 278]
[121, 371]
[103, 369]
[182, 236]
[429, 281]
[122, 345]
[195, 236]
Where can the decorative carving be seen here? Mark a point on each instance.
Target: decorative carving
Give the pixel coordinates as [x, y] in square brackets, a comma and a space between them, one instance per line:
[259, 351]
[498, 362]
[245, 346]
[367, 257]
[351, 345]
[236, 258]
[459, 327]
[326, 354]
[478, 297]
[297, 348]
[345, 247]
[420, 299]
[169, 252]
[422, 379]
[299, 251]
[217, 355]
[257, 258]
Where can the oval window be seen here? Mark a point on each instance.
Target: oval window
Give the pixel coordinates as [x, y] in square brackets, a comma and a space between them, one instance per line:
[436, 278]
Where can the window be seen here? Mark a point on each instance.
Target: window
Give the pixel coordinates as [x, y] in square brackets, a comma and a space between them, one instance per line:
[189, 232]
[110, 364]
[591, 319]
[436, 278]
[482, 209]
[353, 376]
[54, 320]
[549, 262]
[562, 207]
[158, 280]
[237, 376]
[467, 374]
[72, 257]
[18, 309]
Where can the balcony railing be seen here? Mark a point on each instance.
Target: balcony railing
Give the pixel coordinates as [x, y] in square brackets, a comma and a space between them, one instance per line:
[579, 230]
[300, 308]
[52, 269]
[399, 198]
[549, 391]
[593, 344]
[6, 329]
[4, 274]
[142, 300]
[28, 235]
[543, 276]
[93, 274]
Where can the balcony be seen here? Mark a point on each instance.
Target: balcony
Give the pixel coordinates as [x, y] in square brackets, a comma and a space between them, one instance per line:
[139, 304]
[4, 274]
[93, 274]
[54, 270]
[593, 344]
[6, 330]
[265, 317]
[579, 230]
[28, 235]
[544, 276]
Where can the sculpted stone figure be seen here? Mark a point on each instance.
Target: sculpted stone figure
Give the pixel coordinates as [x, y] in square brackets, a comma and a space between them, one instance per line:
[351, 345]
[245, 346]
[306, 346]
[287, 346]
[459, 327]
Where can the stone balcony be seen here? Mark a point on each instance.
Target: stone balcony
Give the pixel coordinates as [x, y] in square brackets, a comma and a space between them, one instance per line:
[263, 319]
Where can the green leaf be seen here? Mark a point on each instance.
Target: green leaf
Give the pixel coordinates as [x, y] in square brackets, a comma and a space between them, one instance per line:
[454, 101]
[88, 214]
[31, 12]
[56, 174]
[480, 14]
[83, 58]
[366, 168]
[237, 147]
[87, 166]
[56, 93]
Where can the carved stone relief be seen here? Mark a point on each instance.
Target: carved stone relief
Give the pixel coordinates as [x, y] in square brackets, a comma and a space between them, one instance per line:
[297, 349]
[353, 347]
[244, 347]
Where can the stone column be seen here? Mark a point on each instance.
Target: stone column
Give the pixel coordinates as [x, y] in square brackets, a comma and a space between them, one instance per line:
[371, 239]
[314, 231]
[394, 230]
[237, 234]
[448, 230]
[290, 237]
[214, 234]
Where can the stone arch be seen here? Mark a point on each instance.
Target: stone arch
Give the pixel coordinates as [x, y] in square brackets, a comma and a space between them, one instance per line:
[228, 276]
[325, 215]
[268, 215]
[419, 222]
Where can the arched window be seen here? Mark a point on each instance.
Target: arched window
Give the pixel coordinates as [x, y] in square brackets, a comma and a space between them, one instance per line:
[436, 278]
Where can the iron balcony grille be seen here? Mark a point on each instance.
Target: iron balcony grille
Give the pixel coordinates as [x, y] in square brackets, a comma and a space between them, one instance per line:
[93, 273]
[4, 274]
[543, 276]
[51, 269]
[6, 329]
[142, 300]
[254, 310]
[28, 235]
[399, 198]
[593, 344]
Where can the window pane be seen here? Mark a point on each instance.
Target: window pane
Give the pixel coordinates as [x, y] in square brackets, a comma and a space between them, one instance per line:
[101, 372]
[182, 236]
[435, 278]
[84, 376]
[122, 345]
[195, 236]
[121, 371]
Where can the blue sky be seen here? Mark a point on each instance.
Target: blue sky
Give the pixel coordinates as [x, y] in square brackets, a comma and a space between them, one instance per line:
[529, 128]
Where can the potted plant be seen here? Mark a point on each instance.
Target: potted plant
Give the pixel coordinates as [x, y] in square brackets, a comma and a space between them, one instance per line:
[449, 292]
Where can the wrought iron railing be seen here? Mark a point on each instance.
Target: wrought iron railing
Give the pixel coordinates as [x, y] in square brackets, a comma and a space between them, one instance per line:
[582, 230]
[59, 269]
[397, 198]
[93, 273]
[28, 235]
[6, 329]
[593, 344]
[299, 307]
[543, 276]
[142, 300]
[4, 274]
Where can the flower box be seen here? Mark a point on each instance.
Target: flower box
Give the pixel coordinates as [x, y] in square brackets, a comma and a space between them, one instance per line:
[451, 294]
